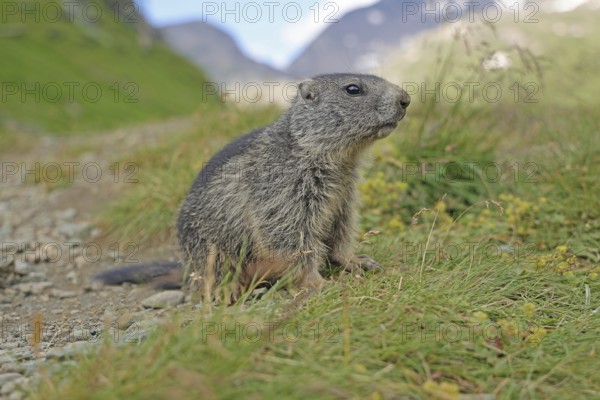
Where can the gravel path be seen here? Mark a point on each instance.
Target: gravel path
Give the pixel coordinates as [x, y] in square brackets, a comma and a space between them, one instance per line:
[49, 308]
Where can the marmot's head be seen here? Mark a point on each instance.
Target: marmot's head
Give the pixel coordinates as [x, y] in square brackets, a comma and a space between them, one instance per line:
[342, 111]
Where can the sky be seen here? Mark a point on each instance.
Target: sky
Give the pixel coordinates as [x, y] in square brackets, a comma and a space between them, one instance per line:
[566, 5]
[272, 32]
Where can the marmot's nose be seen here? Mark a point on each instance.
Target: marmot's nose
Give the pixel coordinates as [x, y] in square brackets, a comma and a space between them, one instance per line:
[404, 99]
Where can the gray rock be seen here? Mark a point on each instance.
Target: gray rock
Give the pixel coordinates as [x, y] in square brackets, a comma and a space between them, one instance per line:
[70, 350]
[28, 242]
[45, 345]
[80, 262]
[72, 277]
[30, 258]
[22, 267]
[23, 353]
[53, 252]
[168, 298]
[73, 248]
[8, 388]
[11, 376]
[6, 230]
[6, 261]
[62, 294]
[37, 276]
[33, 287]
[67, 214]
[6, 359]
[26, 367]
[16, 396]
[71, 229]
[11, 367]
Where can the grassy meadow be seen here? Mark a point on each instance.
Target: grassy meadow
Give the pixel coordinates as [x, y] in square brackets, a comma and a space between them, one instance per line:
[485, 216]
[64, 74]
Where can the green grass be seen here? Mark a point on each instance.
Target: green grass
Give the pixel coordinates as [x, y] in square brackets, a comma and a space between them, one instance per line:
[41, 60]
[393, 332]
[381, 336]
[511, 264]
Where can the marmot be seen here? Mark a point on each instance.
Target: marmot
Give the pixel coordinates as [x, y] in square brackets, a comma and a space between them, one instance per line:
[281, 200]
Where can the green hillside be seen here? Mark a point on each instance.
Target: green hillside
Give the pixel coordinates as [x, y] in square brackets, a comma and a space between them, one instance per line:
[553, 61]
[83, 69]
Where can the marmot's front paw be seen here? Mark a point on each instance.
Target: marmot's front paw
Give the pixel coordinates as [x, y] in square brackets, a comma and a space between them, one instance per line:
[361, 263]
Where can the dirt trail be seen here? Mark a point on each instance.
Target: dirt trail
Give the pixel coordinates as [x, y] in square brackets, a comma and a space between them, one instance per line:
[49, 308]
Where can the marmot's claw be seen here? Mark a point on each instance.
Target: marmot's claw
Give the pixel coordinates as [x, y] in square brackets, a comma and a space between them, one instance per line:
[362, 263]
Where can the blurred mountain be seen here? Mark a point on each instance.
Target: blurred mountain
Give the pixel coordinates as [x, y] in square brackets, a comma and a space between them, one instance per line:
[217, 53]
[362, 39]
[531, 62]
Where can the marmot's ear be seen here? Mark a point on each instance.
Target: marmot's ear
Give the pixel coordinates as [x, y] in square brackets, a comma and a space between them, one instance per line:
[308, 90]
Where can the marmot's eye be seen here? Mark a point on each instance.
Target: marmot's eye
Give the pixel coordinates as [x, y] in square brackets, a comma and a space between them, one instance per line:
[353, 90]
